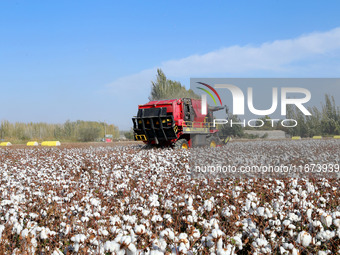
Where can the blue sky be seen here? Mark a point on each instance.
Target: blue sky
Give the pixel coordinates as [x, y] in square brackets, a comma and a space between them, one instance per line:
[94, 60]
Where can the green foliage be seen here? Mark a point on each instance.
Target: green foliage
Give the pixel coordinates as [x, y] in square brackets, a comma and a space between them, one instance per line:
[325, 122]
[129, 135]
[235, 130]
[267, 122]
[88, 134]
[164, 88]
[69, 131]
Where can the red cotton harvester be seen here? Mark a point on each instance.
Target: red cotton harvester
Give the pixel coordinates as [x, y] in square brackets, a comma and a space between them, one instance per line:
[176, 122]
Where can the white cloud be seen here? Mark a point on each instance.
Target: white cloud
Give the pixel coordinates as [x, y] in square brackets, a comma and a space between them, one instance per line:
[311, 55]
[271, 57]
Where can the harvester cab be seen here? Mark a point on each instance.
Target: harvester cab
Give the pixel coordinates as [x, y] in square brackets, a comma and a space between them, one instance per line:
[175, 122]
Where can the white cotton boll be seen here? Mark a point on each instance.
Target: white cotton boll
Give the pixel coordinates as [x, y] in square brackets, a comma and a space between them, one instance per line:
[131, 249]
[294, 183]
[283, 250]
[96, 214]
[156, 218]
[309, 213]
[126, 240]
[24, 233]
[112, 246]
[337, 233]
[154, 200]
[324, 252]
[227, 212]
[293, 217]
[84, 219]
[115, 219]
[291, 226]
[57, 252]
[310, 188]
[94, 241]
[317, 224]
[288, 246]
[304, 238]
[33, 215]
[182, 236]
[322, 200]
[145, 212]
[6, 202]
[216, 233]
[260, 211]
[17, 228]
[325, 235]
[76, 247]
[226, 251]
[336, 223]
[103, 232]
[207, 241]
[196, 234]
[208, 205]
[326, 219]
[67, 229]
[286, 223]
[167, 233]
[95, 202]
[214, 223]
[238, 242]
[261, 242]
[80, 238]
[268, 213]
[190, 219]
[159, 244]
[168, 218]
[336, 214]
[189, 201]
[247, 207]
[139, 229]
[156, 252]
[276, 206]
[304, 194]
[295, 252]
[182, 248]
[2, 227]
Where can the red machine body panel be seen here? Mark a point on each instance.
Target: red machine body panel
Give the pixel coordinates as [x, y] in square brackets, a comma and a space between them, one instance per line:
[166, 121]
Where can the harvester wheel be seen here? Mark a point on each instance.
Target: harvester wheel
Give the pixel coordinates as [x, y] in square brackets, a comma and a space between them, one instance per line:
[148, 146]
[182, 144]
[213, 141]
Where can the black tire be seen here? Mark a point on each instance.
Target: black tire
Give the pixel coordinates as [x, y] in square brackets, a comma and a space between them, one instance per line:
[213, 141]
[148, 146]
[182, 144]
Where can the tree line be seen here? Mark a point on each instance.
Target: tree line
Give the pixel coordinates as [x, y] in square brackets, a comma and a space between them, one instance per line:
[82, 131]
[324, 121]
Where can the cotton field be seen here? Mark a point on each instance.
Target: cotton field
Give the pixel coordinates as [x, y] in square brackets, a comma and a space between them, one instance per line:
[128, 200]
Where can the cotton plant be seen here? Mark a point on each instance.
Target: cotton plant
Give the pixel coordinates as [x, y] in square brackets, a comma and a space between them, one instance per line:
[123, 200]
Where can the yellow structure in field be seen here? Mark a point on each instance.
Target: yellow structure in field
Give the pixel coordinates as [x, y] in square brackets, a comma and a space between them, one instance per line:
[296, 138]
[5, 144]
[336, 137]
[32, 144]
[50, 143]
[317, 137]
